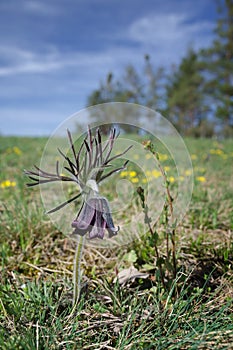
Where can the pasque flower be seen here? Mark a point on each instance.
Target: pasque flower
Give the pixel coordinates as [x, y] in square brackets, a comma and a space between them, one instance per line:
[87, 168]
[95, 218]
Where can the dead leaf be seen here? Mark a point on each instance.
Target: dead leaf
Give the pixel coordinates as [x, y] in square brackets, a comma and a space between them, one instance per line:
[129, 274]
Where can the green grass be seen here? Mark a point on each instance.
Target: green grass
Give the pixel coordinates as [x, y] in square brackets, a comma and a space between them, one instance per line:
[36, 268]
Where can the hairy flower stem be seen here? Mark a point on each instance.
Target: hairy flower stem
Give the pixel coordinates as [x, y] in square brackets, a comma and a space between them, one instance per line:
[77, 270]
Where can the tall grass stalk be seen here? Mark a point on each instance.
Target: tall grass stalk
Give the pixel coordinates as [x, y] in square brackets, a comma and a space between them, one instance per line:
[169, 224]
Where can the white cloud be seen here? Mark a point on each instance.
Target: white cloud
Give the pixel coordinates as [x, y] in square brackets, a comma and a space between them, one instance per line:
[31, 7]
[40, 7]
[169, 35]
[20, 61]
[156, 27]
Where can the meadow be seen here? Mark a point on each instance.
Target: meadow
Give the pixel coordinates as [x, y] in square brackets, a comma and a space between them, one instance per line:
[193, 312]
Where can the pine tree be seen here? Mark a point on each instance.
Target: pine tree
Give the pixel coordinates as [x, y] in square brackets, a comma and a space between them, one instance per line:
[143, 88]
[185, 95]
[218, 65]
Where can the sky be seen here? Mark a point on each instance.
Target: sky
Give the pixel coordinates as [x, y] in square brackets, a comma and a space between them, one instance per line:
[54, 53]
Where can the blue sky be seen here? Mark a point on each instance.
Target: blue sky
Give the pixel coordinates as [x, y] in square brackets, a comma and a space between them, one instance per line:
[54, 53]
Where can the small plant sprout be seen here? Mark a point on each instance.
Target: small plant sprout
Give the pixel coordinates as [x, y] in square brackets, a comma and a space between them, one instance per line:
[87, 168]
[167, 265]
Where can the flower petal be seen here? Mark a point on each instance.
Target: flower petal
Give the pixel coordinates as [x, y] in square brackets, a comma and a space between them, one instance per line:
[85, 217]
[97, 231]
[98, 223]
[95, 217]
[112, 230]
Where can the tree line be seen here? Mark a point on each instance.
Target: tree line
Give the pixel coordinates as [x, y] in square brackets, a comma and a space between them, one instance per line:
[195, 95]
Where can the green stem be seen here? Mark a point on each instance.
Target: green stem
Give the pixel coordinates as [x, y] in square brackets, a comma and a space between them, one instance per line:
[77, 270]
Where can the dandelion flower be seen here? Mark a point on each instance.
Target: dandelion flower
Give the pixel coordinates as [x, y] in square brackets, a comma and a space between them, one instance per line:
[171, 179]
[216, 151]
[156, 173]
[124, 173]
[162, 157]
[132, 173]
[17, 151]
[201, 178]
[7, 183]
[200, 169]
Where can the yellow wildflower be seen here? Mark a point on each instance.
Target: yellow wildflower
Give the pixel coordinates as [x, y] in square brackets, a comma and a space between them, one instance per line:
[132, 173]
[201, 178]
[162, 156]
[17, 151]
[171, 179]
[124, 173]
[216, 151]
[193, 157]
[156, 173]
[199, 169]
[167, 168]
[135, 179]
[7, 183]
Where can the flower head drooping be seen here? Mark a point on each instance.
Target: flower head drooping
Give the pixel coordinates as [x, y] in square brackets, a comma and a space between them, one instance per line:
[94, 218]
[87, 168]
